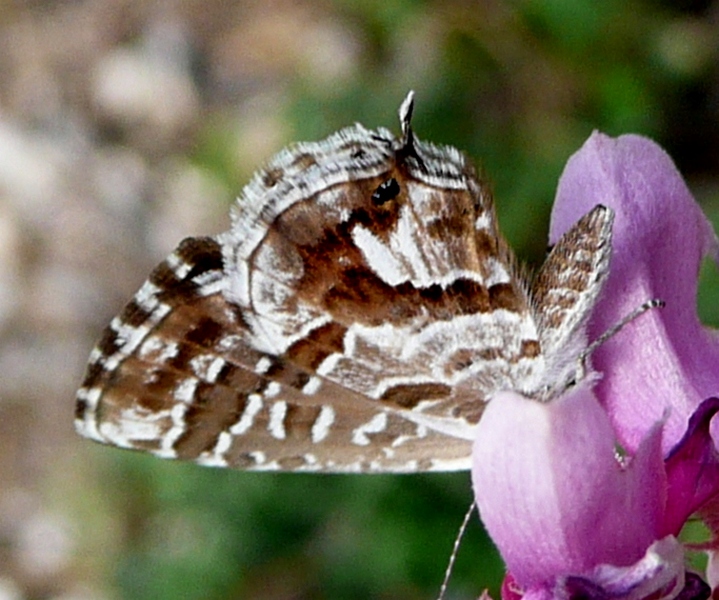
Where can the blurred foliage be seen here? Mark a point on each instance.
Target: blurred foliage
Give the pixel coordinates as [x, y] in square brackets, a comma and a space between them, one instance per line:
[188, 532]
[518, 86]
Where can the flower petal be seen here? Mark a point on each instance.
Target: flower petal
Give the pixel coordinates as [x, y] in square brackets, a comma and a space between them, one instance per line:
[546, 481]
[659, 574]
[660, 570]
[692, 469]
[664, 358]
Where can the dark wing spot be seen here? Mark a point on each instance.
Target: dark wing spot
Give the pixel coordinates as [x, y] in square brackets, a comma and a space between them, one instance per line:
[92, 376]
[310, 351]
[530, 349]
[109, 342]
[206, 333]
[386, 191]
[203, 253]
[410, 395]
[288, 374]
[213, 410]
[80, 408]
[504, 296]
[271, 177]
[134, 314]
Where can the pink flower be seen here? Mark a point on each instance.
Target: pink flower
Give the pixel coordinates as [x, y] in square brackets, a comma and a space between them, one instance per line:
[666, 359]
[571, 519]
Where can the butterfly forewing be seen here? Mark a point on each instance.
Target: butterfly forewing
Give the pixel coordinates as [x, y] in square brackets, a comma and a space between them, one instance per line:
[356, 317]
[567, 287]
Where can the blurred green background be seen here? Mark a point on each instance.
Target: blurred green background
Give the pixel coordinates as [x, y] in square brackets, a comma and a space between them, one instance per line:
[125, 126]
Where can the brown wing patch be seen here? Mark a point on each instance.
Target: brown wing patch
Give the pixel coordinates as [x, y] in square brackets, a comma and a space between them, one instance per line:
[410, 395]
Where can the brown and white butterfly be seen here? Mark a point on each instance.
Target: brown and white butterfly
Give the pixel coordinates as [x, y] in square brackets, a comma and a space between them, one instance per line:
[357, 316]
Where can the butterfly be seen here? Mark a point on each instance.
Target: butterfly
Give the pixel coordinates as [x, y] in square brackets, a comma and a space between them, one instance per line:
[358, 315]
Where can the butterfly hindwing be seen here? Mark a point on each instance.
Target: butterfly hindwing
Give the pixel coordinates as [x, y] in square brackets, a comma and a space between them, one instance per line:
[176, 375]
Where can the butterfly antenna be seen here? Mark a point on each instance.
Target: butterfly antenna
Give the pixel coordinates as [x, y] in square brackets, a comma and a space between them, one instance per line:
[407, 148]
[455, 549]
[405, 117]
[637, 312]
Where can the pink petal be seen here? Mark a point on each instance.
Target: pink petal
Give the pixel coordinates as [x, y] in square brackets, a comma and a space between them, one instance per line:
[660, 570]
[659, 574]
[551, 493]
[692, 469]
[664, 359]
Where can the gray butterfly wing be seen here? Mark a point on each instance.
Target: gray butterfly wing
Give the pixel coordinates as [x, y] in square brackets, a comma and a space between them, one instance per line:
[566, 290]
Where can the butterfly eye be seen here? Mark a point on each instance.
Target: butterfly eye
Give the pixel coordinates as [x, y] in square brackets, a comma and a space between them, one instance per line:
[386, 191]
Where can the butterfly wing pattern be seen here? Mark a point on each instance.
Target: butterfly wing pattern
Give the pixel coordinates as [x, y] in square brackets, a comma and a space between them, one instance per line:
[356, 317]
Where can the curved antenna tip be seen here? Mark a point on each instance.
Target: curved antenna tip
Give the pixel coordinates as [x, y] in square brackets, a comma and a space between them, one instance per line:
[405, 113]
